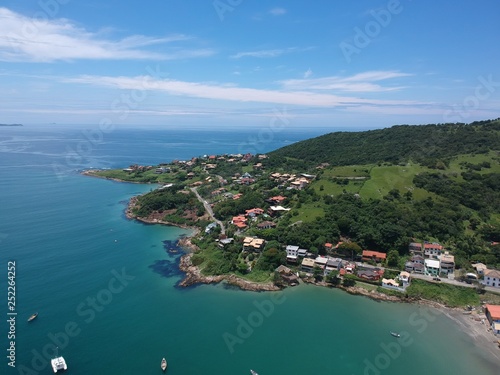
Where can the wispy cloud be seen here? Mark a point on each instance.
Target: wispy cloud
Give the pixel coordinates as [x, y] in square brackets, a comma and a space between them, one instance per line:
[266, 53]
[278, 11]
[308, 73]
[230, 92]
[362, 82]
[25, 39]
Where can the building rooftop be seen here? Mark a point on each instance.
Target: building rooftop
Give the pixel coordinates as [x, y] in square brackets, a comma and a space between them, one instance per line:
[494, 311]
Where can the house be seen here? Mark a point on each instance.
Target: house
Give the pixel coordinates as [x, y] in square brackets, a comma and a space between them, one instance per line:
[210, 226]
[480, 268]
[414, 267]
[404, 278]
[333, 264]
[370, 274]
[492, 278]
[302, 253]
[447, 263]
[320, 262]
[254, 212]
[274, 210]
[292, 253]
[415, 248]
[492, 313]
[307, 265]
[225, 241]
[284, 270]
[253, 244]
[373, 255]
[417, 259]
[390, 283]
[432, 250]
[431, 267]
[266, 225]
[276, 199]
[239, 221]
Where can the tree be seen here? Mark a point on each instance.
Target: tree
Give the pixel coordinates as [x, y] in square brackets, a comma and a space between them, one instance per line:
[392, 258]
[333, 278]
[349, 280]
[318, 273]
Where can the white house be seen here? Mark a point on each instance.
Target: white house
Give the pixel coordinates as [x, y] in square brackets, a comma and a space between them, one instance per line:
[292, 252]
[492, 278]
[431, 267]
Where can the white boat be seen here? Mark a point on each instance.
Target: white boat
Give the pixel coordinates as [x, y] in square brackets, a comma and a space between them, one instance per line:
[58, 363]
[253, 372]
[395, 334]
[32, 317]
[163, 364]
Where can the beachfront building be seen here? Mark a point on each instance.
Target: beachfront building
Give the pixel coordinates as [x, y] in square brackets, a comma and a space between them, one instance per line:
[493, 315]
[404, 278]
[431, 267]
[292, 253]
[307, 265]
[447, 263]
[492, 278]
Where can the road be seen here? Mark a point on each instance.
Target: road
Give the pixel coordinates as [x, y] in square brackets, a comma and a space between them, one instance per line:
[208, 208]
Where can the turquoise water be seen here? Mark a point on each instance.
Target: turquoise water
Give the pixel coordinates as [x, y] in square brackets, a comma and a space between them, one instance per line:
[105, 287]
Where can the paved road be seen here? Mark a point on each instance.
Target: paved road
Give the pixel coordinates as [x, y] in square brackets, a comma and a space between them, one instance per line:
[208, 208]
[444, 280]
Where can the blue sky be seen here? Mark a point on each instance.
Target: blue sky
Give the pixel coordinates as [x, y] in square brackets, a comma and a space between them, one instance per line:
[236, 63]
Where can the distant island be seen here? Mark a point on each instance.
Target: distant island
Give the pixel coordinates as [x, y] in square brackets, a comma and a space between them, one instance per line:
[400, 213]
[11, 124]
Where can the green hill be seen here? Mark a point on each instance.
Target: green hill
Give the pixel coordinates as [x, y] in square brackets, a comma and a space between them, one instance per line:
[429, 145]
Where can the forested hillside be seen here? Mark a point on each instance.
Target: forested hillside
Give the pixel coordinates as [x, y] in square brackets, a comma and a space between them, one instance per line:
[429, 145]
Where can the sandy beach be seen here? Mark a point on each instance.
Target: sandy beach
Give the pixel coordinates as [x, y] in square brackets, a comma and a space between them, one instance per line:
[478, 328]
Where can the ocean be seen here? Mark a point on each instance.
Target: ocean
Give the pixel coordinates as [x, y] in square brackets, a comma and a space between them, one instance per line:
[105, 287]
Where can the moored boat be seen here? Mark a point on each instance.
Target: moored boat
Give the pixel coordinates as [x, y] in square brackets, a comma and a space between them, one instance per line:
[33, 316]
[253, 372]
[163, 364]
[58, 363]
[395, 334]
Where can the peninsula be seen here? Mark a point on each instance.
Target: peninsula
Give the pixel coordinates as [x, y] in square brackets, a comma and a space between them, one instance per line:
[403, 213]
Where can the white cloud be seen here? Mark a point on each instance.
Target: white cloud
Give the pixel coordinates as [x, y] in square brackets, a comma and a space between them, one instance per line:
[362, 82]
[24, 39]
[308, 73]
[269, 52]
[234, 93]
[278, 11]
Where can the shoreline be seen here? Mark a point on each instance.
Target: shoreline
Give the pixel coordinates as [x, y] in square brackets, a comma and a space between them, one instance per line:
[471, 325]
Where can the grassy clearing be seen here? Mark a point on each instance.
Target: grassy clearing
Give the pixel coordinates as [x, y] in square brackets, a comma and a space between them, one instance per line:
[309, 212]
[332, 188]
[348, 171]
[491, 157]
[449, 295]
[385, 178]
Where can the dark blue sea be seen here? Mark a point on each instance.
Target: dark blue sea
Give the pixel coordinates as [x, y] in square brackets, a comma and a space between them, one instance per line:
[105, 287]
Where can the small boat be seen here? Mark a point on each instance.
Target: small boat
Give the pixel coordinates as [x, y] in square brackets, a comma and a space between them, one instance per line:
[395, 334]
[163, 364]
[58, 363]
[33, 316]
[253, 372]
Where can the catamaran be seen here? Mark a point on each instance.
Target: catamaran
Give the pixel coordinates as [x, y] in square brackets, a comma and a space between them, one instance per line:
[58, 363]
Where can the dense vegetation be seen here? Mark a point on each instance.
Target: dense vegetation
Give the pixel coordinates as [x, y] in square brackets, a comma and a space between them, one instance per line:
[429, 145]
[376, 190]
